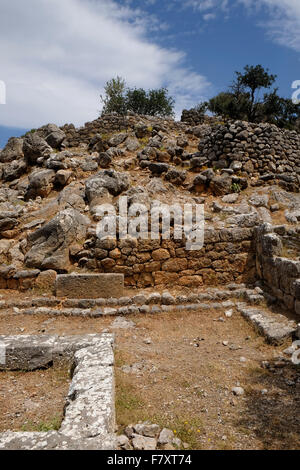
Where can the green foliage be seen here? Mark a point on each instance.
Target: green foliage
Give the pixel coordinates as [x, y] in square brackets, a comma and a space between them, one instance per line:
[160, 103]
[236, 188]
[280, 111]
[52, 424]
[242, 101]
[32, 131]
[254, 78]
[120, 100]
[201, 108]
[230, 105]
[113, 101]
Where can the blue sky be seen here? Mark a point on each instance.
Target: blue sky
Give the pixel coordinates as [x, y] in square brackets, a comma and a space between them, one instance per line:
[57, 55]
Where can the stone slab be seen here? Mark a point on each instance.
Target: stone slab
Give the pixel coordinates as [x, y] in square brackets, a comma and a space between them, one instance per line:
[54, 440]
[30, 352]
[93, 286]
[276, 328]
[89, 415]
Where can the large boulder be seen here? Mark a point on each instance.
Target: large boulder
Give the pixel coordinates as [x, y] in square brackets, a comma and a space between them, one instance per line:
[72, 197]
[221, 185]
[53, 135]
[7, 223]
[158, 168]
[176, 177]
[12, 151]
[14, 170]
[132, 144]
[117, 139]
[97, 144]
[104, 160]
[112, 181]
[40, 184]
[49, 245]
[35, 147]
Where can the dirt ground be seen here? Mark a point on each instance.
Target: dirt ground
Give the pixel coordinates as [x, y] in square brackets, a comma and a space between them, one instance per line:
[177, 370]
[32, 401]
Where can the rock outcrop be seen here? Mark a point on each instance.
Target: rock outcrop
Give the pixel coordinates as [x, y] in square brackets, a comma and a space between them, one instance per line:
[49, 245]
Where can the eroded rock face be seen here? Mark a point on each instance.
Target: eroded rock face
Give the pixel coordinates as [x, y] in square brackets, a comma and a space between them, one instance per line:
[35, 147]
[132, 144]
[221, 185]
[49, 245]
[117, 139]
[104, 160]
[53, 135]
[71, 197]
[97, 144]
[12, 151]
[176, 177]
[112, 181]
[14, 170]
[40, 184]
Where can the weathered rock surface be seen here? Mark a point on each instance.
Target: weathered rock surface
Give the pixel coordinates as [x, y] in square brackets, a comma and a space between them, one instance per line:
[91, 286]
[49, 245]
[115, 183]
[89, 421]
[53, 135]
[35, 147]
[40, 183]
[275, 327]
[12, 151]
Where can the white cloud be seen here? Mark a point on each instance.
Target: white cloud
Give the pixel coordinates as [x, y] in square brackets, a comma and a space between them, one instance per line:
[57, 55]
[204, 5]
[209, 16]
[282, 17]
[283, 22]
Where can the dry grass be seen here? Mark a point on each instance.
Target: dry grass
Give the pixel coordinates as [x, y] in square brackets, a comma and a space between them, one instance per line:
[188, 388]
[33, 401]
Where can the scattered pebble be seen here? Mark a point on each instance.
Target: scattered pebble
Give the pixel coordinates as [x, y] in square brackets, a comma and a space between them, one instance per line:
[229, 313]
[238, 391]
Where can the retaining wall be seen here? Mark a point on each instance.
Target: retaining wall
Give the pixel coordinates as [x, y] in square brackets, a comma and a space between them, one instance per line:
[279, 273]
[228, 255]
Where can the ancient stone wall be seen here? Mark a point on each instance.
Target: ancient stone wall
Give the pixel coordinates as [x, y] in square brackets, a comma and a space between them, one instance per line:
[192, 117]
[109, 124]
[228, 255]
[281, 274]
[259, 150]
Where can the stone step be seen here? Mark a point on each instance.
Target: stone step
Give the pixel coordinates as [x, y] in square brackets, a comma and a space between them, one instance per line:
[139, 299]
[276, 328]
[125, 310]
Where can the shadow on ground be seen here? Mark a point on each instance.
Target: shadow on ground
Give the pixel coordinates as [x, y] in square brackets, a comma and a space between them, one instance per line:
[274, 416]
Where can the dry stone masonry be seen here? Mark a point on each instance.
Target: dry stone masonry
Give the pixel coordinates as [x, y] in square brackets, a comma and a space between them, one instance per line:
[280, 274]
[261, 150]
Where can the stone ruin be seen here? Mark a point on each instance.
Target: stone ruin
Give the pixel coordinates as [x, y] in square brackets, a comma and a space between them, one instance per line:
[89, 415]
[51, 182]
[280, 275]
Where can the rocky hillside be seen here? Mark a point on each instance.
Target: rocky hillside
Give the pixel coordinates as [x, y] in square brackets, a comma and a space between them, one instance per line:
[52, 180]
